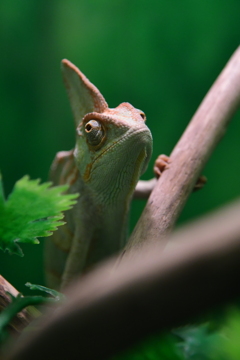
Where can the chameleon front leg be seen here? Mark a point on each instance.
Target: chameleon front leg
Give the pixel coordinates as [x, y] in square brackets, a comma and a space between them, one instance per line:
[76, 258]
[63, 169]
[144, 188]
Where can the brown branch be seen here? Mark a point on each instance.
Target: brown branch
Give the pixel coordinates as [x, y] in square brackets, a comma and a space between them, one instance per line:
[23, 318]
[189, 157]
[109, 311]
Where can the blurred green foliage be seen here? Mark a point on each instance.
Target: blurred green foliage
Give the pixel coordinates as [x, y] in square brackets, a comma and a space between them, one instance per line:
[212, 340]
[161, 56]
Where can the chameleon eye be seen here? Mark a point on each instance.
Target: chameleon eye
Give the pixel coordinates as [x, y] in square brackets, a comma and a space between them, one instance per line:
[94, 132]
[143, 116]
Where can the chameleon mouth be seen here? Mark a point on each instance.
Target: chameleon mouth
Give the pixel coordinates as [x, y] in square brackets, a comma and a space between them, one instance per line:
[130, 136]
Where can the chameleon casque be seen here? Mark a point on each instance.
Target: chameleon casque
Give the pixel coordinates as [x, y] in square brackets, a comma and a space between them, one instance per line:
[113, 148]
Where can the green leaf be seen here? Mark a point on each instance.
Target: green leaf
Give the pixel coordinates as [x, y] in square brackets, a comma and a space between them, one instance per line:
[55, 294]
[32, 210]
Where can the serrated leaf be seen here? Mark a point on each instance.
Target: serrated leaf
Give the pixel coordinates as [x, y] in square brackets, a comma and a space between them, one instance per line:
[32, 210]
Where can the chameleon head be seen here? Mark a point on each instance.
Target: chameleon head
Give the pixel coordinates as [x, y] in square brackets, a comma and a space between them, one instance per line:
[113, 146]
[113, 150]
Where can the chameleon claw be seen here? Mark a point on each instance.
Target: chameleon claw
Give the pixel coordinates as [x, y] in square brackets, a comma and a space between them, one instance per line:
[200, 183]
[162, 163]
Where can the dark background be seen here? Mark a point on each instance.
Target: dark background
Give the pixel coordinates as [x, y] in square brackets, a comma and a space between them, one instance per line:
[161, 56]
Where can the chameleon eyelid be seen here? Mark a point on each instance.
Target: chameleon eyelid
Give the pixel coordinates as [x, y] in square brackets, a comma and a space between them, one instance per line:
[94, 132]
[92, 125]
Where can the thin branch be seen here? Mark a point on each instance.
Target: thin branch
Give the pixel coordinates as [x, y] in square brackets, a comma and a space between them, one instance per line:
[108, 311]
[23, 318]
[189, 157]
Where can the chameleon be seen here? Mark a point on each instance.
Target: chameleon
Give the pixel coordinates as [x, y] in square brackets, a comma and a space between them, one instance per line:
[113, 149]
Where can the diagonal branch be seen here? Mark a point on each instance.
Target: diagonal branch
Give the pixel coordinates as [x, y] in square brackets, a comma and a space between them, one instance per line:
[189, 156]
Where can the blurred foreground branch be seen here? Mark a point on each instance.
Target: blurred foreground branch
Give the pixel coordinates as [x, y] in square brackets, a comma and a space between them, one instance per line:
[109, 310]
[189, 156]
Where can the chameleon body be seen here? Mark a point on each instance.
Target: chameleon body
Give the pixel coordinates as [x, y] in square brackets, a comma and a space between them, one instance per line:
[113, 148]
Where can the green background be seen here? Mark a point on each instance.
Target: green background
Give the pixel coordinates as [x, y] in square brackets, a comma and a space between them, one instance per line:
[161, 56]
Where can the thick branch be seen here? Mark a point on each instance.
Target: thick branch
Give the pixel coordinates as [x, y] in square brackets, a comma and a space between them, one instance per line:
[189, 157]
[110, 310]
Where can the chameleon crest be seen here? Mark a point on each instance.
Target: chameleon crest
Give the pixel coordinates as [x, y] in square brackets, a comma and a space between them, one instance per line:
[113, 148]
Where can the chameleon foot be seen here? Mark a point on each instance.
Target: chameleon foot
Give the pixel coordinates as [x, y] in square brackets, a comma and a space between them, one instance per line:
[200, 183]
[161, 164]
